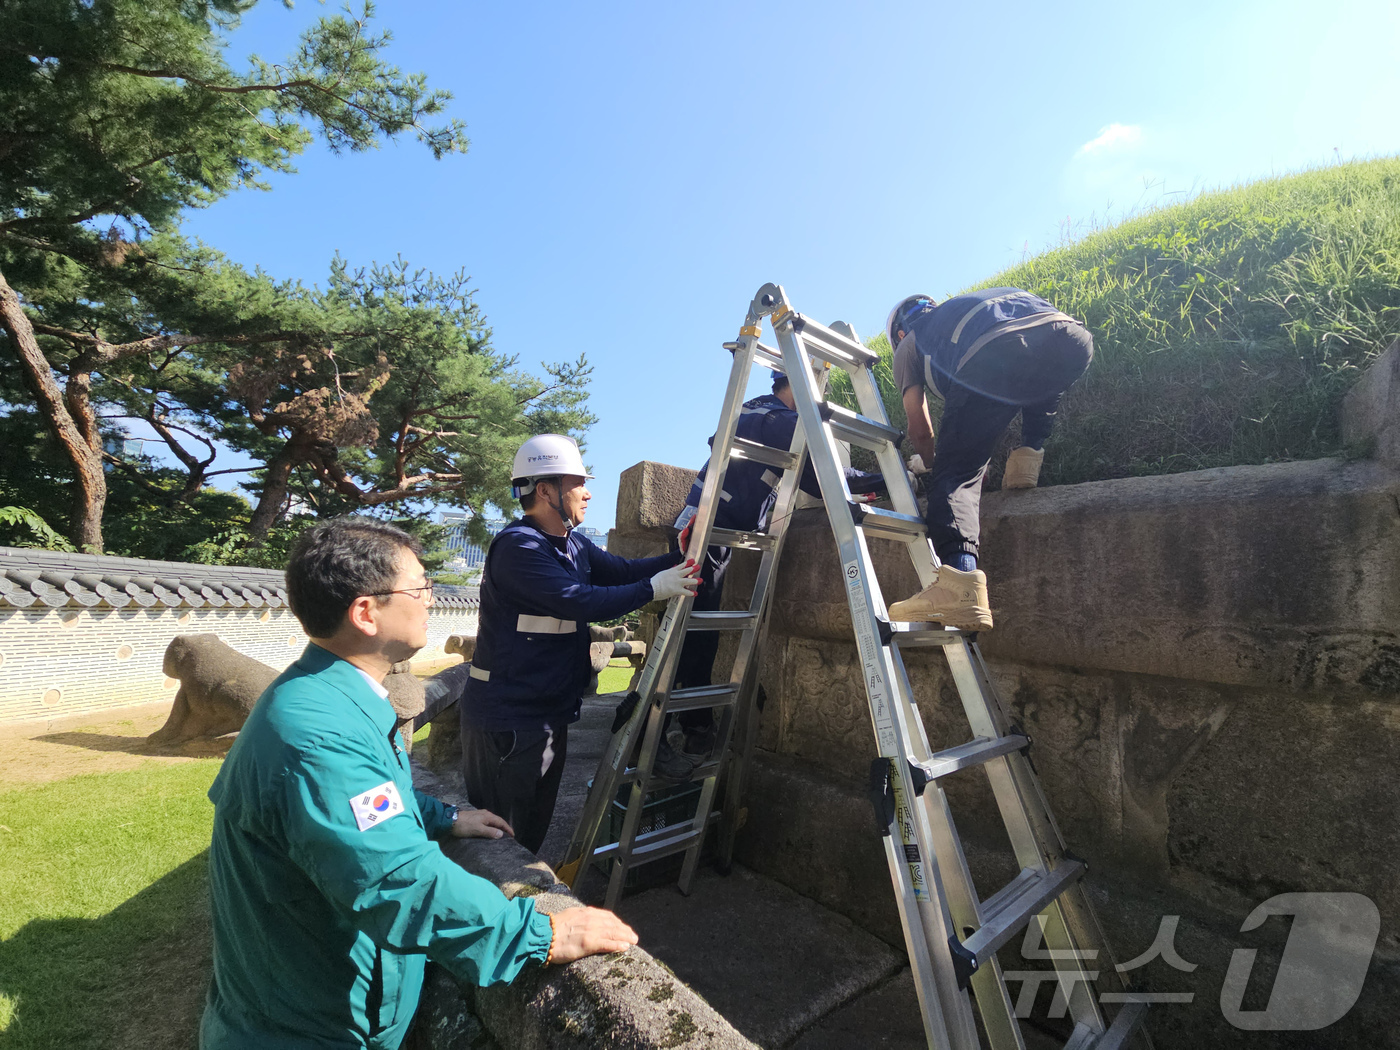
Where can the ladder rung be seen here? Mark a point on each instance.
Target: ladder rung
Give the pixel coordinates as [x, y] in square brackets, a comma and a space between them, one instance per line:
[821, 341]
[915, 635]
[1008, 910]
[857, 429]
[653, 845]
[754, 541]
[696, 776]
[769, 358]
[743, 448]
[696, 697]
[705, 769]
[1124, 1027]
[887, 524]
[973, 753]
[650, 843]
[722, 620]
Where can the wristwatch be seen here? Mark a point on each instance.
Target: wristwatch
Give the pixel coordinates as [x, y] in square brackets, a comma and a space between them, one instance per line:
[452, 812]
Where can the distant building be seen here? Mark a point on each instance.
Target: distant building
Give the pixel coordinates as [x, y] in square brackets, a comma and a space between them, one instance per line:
[600, 539]
[467, 557]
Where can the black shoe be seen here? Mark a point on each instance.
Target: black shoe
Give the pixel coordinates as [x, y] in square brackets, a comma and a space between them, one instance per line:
[671, 764]
[700, 743]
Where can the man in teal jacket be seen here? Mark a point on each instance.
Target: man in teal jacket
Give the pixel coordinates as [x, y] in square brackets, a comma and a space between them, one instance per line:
[327, 890]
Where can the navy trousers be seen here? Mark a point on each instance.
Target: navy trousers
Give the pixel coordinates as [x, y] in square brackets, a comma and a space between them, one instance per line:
[1024, 372]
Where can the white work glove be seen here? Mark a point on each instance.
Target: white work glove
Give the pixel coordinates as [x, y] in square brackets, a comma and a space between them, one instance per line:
[916, 464]
[1023, 468]
[676, 582]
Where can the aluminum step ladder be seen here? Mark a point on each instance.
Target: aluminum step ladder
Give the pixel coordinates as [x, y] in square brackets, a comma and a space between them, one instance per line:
[951, 933]
[639, 727]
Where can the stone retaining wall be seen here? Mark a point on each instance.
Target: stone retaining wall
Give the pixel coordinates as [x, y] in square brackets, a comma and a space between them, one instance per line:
[1208, 665]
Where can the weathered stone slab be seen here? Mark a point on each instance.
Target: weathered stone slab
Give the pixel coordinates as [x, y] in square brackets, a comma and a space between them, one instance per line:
[1279, 575]
[649, 496]
[888, 1018]
[1371, 409]
[628, 1000]
[771, 961]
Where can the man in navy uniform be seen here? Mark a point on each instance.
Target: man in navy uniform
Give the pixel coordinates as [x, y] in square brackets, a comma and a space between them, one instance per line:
[991, 355]
[542, 584]
[748, 498]
[327, 891]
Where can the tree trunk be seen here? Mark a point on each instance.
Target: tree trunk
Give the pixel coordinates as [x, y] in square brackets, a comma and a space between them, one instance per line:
[77, 436]
[274, 492]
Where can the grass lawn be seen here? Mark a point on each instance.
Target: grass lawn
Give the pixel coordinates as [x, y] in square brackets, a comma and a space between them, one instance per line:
[104, 924]
[614, 677]
[104, 930]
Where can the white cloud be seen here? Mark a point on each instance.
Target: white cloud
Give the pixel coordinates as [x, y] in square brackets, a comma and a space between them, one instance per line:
[1113, 135]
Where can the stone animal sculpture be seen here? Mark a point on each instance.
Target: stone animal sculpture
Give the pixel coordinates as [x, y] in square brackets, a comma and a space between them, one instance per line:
[219, 686]
[407, 696]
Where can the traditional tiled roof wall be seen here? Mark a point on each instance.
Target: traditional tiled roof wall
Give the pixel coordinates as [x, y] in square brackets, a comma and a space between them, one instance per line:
[82, 632]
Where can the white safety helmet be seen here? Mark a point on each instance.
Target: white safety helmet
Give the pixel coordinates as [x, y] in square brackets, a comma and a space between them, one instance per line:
[545, 456]
[897, 319]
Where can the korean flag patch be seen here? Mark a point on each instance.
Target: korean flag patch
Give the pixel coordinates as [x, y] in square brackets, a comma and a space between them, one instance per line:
[376, 805]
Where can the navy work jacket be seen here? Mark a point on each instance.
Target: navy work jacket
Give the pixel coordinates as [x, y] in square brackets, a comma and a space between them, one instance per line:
[538, 595]
[749, 487]
[950, 334]
[327, 891]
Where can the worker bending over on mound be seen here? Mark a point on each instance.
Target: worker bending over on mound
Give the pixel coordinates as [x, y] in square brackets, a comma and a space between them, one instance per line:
[747, 499]
[542, 584]
[327, 891]
[990, 355]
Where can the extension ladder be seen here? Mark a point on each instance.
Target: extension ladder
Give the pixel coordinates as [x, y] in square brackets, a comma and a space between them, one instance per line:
[951, 933]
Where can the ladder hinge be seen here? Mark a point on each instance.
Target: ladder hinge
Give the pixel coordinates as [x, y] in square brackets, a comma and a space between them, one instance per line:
[1026, 751]
[625, 709]
[918, 779]
[964, 962]
[882, 794]
[1014, 730]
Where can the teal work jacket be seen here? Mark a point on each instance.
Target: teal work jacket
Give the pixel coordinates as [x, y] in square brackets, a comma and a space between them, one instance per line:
[326, 888]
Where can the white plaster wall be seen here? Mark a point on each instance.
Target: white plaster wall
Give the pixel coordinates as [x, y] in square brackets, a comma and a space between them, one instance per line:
[56, 662]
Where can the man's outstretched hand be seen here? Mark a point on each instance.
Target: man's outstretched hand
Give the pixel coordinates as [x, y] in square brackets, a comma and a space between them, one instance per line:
[588, 931]
[480, 824]
[677, 581]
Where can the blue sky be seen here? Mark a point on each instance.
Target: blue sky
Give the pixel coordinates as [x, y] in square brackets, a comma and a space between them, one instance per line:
[637, 171]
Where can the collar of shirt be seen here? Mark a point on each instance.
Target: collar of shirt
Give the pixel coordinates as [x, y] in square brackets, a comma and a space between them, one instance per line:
[563, 544]
[350, 680]
[376, 686]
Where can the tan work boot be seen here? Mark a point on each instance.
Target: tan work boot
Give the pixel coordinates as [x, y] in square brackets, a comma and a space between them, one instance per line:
[1023, 468]
[956, 599]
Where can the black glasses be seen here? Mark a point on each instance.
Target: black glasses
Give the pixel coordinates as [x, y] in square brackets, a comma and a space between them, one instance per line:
[424, 594]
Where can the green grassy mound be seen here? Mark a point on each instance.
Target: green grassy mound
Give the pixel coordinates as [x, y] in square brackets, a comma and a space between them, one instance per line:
[1226, 330]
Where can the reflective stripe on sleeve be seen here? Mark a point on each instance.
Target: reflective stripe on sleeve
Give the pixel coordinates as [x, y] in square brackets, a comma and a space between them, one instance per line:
[479, 673]
[769, 478]
[544, 625]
